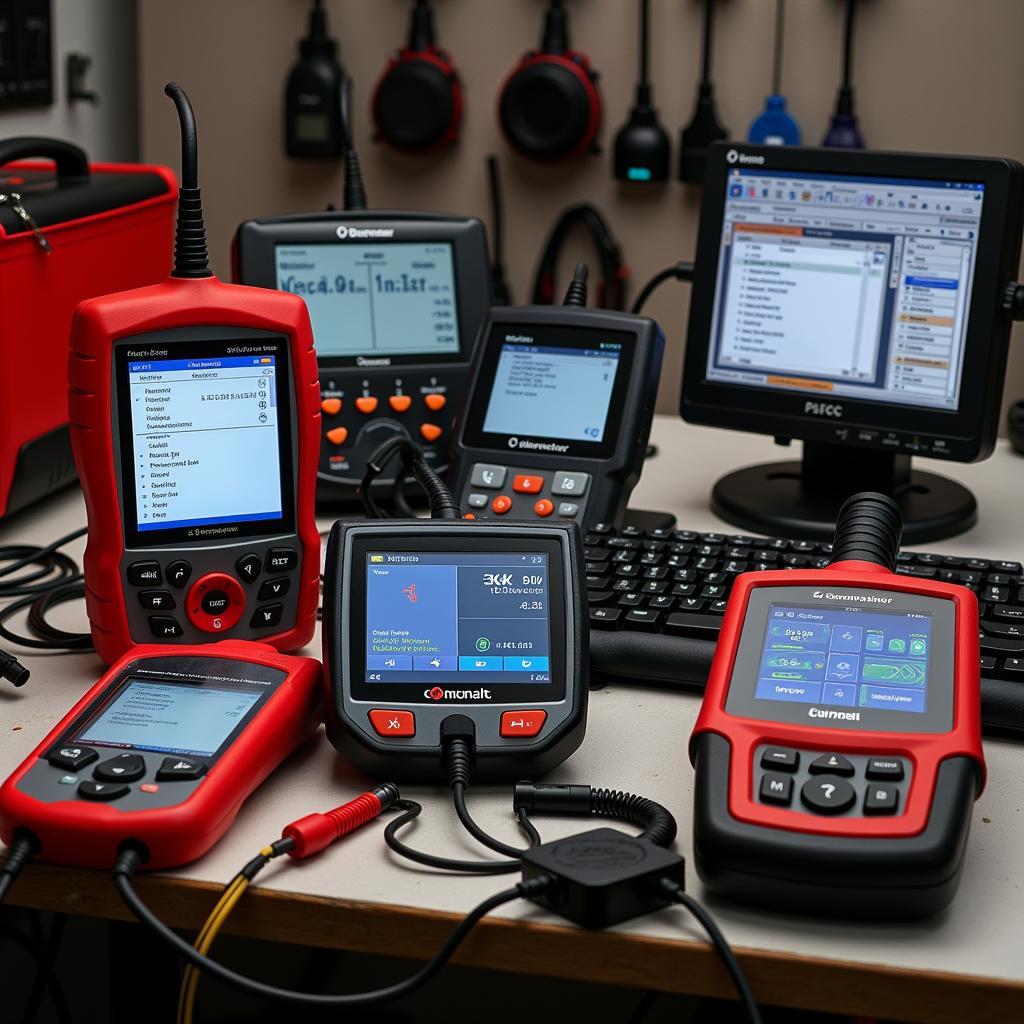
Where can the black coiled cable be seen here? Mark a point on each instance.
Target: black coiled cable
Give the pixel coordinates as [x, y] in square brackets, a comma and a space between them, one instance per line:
[656, 821]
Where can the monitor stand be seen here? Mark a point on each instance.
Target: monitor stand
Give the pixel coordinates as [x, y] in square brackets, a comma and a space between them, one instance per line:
[801, 499]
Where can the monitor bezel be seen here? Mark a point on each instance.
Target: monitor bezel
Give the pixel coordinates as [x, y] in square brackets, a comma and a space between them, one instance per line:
[969, 431]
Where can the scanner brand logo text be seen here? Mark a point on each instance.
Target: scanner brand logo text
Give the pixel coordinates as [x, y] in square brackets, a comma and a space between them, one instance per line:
[734, 156]
[345, 231]
[436, 693]
[828, 595]
[497, 579]
[837, 716]
[823, 409]
[536, 446]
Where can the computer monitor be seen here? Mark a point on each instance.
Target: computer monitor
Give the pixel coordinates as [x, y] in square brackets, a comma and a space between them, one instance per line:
[854, 301]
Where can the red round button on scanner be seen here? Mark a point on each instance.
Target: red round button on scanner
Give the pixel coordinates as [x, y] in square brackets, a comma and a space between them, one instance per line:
[215, 621]
[543, 507]
[393, 723]
[501, 503]
[522, 723]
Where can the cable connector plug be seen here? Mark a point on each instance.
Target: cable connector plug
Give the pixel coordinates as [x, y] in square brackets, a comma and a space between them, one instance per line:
[22, 849]
[315, 832]
[13, 670]
[602, 877]
[576, 293]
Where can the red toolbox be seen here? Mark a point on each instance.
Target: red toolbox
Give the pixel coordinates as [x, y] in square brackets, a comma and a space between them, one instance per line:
[69, 230]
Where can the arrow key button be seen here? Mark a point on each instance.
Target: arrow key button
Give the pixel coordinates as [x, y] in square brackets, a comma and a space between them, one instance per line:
[831, 764]
[180, 769]
[123, 768]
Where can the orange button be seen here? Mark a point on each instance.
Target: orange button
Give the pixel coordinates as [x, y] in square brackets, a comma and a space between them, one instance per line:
[400, 403]
[338, 435]
[435, 403]
[366, 404]
[543, 507]
[522, 723]
[431, 431]
[149, 787]
[527, 484]
[501, 504]
[331, 406]
[393, 723]
[469, 515]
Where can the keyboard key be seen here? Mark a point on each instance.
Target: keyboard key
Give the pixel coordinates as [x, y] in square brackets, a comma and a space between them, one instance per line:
[622, 586]
[978, 564]
[642, 618]
[605, 618]
[881, 800]
[599, 597]
[601, 528]
[684, 590]
[831, 764]
[653, 587]
[1013, 668]
[627, 571]
[1001, 647]
[624, 543]
[712, 592]
[701, 627]
[1013, 568]
[989, 666]
[718, 607]
[662, 602]
[928, 559]
[631, 600]
[1010, 630]
[997, 595]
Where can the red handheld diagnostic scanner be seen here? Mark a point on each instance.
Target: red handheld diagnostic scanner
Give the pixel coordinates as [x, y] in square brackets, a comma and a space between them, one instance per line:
[163, 750]
[195, 426]
[838, 748]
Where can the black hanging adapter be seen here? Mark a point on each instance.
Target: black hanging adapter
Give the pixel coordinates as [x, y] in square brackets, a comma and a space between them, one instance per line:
[704, 127]
[642, 147]
[312, 105]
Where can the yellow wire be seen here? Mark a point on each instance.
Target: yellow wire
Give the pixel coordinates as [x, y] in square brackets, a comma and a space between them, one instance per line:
[190, 980]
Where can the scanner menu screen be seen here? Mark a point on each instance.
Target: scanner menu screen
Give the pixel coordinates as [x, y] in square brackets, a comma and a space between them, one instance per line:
[373, 299]
[457, 618]
[169, 718]
[846, 658]
[552, 391]
[205, 439]
[842, 286]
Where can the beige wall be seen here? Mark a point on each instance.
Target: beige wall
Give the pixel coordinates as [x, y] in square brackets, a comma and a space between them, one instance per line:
[939, 75]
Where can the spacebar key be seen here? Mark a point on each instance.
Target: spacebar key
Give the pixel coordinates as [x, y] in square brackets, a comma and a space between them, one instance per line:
[703, 627]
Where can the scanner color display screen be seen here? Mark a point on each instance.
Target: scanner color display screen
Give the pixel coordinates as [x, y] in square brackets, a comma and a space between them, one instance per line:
[463, 618]
[840, 286]
[846, 658]
[372, 299]
[168, 718]
[205, 438]
[550, 391]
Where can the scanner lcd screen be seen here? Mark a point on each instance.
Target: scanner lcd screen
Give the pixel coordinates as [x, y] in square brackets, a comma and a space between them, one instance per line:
[169, 718]
[375, 299]
[205, 440]
[463, 618]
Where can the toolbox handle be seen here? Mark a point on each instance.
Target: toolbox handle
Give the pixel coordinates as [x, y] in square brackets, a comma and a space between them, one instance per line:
[71, 160]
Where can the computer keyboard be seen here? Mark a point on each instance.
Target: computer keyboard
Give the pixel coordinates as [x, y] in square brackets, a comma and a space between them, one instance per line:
[657, 597]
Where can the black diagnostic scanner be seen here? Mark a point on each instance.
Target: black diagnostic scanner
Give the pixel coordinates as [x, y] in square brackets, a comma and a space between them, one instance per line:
[559, 413]
[437, 630]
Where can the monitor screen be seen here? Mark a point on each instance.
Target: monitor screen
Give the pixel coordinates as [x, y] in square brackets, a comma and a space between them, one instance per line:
[206, 440]
[169, 718]
[845, 658]
[375, 299]
[840, 286]
[552, 391]
[462, 618]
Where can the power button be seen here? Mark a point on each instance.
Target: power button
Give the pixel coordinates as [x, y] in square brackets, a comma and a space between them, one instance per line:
[215, 602]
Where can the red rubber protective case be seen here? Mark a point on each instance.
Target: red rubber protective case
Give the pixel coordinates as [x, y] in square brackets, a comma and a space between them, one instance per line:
[925, 751]
[180, 302]
[88, 835]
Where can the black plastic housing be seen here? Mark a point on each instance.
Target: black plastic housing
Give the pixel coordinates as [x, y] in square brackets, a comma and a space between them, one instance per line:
[602, 877]
[877, 878]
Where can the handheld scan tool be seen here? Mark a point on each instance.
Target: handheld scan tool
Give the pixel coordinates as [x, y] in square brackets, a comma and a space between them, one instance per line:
[559, 414]
[443, 629]
[195, 425]
[163, 750]
[838, 748]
